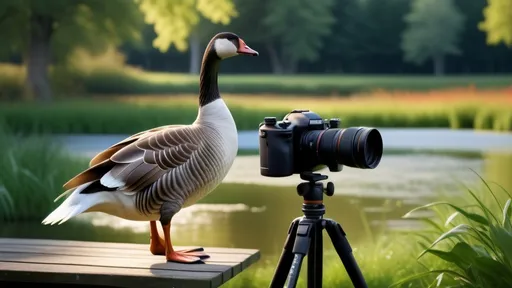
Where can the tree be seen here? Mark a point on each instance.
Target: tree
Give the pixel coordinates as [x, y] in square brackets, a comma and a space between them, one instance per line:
[174, 20]
[433, 29]
[180, 22]
[45, 32]
[200, 34]
[367, 34]
[498, 22]
[295, 30]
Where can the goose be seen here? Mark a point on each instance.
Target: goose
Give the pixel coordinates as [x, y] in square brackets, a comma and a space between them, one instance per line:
[153, 174]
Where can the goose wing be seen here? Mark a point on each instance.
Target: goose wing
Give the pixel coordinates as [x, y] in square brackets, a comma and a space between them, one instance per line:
[139, 160]
[107, 153]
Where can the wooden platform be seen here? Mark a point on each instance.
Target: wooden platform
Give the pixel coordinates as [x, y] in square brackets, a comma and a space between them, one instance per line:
[113, 265]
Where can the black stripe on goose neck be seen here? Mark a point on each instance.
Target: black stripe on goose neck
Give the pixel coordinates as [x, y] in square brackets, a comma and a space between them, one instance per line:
[209, 89]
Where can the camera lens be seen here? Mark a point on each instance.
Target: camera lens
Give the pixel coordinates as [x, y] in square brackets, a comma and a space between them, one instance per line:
[357, 147]
[367, 148]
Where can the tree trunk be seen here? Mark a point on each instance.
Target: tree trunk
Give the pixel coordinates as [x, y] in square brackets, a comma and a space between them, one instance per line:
[277, 67]
[37, 84]
[439, 65]
[195, 54]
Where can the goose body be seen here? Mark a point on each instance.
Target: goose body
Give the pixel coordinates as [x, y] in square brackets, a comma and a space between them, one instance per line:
[152, 175]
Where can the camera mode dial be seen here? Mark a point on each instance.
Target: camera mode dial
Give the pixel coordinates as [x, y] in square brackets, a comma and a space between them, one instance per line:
[271, 121]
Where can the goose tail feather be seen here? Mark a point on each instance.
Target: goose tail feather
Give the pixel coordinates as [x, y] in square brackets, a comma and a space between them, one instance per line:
[74, 205]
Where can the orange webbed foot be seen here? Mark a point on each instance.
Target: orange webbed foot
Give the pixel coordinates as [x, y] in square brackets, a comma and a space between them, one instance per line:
[179, 257]
[196, 252]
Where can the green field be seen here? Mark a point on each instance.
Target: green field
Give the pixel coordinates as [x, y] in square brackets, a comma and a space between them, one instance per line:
[128, 100]
[110, 116]
[129, 80]
[141, 82]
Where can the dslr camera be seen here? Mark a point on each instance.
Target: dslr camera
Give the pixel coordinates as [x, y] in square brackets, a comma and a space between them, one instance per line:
[304, 142]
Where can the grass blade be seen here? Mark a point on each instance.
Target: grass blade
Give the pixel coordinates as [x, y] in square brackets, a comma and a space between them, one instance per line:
[506, 215]
[490, 190]
[471, 216]
[427, 273]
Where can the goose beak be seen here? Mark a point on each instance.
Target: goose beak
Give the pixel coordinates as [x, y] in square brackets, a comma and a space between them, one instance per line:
[244, 49]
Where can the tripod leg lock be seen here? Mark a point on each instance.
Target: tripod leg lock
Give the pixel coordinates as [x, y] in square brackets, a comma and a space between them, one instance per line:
[303, 237]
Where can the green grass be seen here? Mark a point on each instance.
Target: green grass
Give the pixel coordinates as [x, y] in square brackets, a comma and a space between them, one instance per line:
[383, 262]
[32, 172]
[101, 78]
[103, 116]
[131, 81]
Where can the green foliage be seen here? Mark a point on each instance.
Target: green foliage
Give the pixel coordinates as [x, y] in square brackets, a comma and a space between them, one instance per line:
[498, 22]
[92, 25]
[174, 20]
[477, 240]
[433, 30]
[288, 38]
[369, 27]
[300, 34]
[33, 170]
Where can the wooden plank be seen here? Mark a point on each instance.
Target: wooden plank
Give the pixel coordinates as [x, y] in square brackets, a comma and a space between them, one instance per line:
[225, 270]
[234, 261]
[70, 262]
[117, 277]
[113, 245]
[219, 256]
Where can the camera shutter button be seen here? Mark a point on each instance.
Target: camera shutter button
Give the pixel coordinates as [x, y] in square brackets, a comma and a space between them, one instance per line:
[285, 124]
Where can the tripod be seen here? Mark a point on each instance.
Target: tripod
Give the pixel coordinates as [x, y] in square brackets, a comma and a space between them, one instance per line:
[305, 238]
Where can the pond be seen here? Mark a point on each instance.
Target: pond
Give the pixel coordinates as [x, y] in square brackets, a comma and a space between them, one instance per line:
[252, 211]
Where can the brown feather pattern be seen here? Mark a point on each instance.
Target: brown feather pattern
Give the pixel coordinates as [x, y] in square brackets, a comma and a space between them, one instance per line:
[167, 163]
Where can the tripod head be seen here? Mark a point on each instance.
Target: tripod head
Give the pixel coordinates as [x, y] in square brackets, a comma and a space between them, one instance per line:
[312, 192]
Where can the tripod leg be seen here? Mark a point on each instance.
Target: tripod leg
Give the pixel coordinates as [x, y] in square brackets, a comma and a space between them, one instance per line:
[344, 251]
[305, 233]
[285, 261]
[315, 254]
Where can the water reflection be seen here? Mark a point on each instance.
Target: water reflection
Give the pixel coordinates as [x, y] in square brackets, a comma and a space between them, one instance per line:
[241, 213]
[397, 176]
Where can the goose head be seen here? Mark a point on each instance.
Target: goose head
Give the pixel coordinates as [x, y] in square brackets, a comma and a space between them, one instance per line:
[227, 44]
[222, 46]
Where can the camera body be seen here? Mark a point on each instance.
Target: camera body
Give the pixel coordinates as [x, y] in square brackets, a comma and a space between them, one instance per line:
[281, 152]
[304, 142]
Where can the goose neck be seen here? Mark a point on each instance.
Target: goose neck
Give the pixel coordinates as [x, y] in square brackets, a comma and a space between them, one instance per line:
[209, 89]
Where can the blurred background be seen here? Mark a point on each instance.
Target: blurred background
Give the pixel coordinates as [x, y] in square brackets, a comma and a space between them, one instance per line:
[435, 76]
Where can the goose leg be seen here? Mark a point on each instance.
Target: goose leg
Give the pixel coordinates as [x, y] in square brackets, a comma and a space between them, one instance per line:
[157, 244]
[185, 256]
